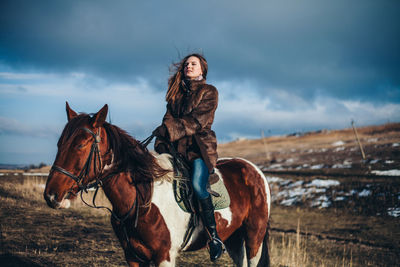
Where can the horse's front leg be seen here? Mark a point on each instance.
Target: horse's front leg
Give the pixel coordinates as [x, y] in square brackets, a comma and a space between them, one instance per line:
[130, 259]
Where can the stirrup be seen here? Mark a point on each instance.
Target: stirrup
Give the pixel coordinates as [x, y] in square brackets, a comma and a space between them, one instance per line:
[222, 248]
[219, 241]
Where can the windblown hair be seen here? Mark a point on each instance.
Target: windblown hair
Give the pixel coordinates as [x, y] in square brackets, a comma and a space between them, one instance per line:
[174, 92]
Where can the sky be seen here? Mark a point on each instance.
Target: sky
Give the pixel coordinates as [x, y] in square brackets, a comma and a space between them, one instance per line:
[280, 66]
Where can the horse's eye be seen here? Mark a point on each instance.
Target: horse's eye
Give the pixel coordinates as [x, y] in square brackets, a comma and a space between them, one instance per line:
[80, 146]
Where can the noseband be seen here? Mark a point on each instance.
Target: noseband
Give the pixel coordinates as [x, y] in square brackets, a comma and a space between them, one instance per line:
[93, 155]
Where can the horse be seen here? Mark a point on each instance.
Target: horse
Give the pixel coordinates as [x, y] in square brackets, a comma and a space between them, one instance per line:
[145, 217]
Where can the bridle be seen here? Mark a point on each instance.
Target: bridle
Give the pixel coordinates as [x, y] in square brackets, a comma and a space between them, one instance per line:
[95, 156]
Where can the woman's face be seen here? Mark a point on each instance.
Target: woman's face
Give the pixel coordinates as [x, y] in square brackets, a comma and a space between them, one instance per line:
[192, 68]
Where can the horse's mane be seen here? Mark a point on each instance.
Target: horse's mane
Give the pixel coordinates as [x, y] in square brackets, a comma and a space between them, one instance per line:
[131, 155]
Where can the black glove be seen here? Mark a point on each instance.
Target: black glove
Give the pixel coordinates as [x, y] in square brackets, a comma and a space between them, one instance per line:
[160, 131]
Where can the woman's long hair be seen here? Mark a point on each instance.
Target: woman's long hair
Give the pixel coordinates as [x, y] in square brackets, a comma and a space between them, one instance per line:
[174, 82]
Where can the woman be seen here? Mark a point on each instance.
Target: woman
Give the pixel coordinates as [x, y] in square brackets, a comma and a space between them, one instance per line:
[187, 126]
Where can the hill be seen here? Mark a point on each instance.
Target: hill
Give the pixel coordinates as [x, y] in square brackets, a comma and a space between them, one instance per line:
[328, 151]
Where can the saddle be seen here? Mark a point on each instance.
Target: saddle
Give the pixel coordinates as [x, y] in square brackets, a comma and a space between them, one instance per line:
[183, 190]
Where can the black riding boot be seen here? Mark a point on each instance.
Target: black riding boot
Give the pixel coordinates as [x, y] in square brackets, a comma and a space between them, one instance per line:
[207, 216]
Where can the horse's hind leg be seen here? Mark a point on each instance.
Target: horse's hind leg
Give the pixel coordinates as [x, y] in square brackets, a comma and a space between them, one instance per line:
[256, 243]
[235, 247]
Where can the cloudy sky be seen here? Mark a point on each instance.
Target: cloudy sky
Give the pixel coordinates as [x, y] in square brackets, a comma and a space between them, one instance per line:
[280, 66]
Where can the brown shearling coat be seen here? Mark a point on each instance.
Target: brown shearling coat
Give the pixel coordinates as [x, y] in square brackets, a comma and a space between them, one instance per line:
[188, 123]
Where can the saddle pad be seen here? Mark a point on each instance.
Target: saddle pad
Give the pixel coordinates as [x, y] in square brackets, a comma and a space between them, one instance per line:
[221, 202]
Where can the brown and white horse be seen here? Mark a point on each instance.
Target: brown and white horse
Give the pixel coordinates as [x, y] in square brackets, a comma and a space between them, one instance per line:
[145, 217]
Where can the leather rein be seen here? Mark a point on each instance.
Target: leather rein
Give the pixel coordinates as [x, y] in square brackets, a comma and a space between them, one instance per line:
[95, 156]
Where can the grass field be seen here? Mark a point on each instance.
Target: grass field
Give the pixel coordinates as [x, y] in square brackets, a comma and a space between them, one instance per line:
[34, 235]
[352, 222]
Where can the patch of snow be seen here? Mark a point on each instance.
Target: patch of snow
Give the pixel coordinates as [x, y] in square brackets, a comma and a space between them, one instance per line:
[310, 151]
[372, 140]
[341, 166]
[396, 144]
[323, 183]
[296, 184]
[352, 192]
[306, 165]
[341, 148]
[365, 193]
[339, 198]
[322, 202]
[2, 173]
[317, 167]
[323, 150]
[275, 166]
[394, 212]
[273, 179]
[288, 202]
[389, 161]
[338, 143]
[319, 190]
[374, 161]
[290, 160]
[388, 172]
[296, 192]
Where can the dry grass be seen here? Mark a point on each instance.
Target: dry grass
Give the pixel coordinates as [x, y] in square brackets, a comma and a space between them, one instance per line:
[80, 236]
[297, 251]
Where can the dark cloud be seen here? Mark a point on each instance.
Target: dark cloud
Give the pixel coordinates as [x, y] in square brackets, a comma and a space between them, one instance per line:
[308, 48]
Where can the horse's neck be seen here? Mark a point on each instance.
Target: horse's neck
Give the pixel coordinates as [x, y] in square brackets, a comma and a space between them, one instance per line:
[120, 192]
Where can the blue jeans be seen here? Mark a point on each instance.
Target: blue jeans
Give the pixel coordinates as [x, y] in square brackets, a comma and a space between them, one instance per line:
[200, 178]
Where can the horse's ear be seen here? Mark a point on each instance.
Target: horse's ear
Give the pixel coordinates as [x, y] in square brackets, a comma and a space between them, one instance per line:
[100, 117]
[70, 113]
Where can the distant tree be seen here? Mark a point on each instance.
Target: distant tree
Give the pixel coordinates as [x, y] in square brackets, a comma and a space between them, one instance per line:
[41, 165]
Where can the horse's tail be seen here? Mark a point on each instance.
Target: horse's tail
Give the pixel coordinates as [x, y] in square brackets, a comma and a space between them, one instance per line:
[264, 260]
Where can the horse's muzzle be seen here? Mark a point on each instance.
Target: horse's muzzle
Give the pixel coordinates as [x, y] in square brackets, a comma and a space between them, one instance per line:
[52, 202]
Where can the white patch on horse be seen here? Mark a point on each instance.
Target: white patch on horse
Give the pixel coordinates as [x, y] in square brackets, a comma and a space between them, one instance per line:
[167, 263]
[175, 218]
[267, 190]
[164, 160]
[225, 213]
[65, 203]
[253, 262]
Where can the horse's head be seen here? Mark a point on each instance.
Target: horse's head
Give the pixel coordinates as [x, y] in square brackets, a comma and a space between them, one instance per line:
[81, 147]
